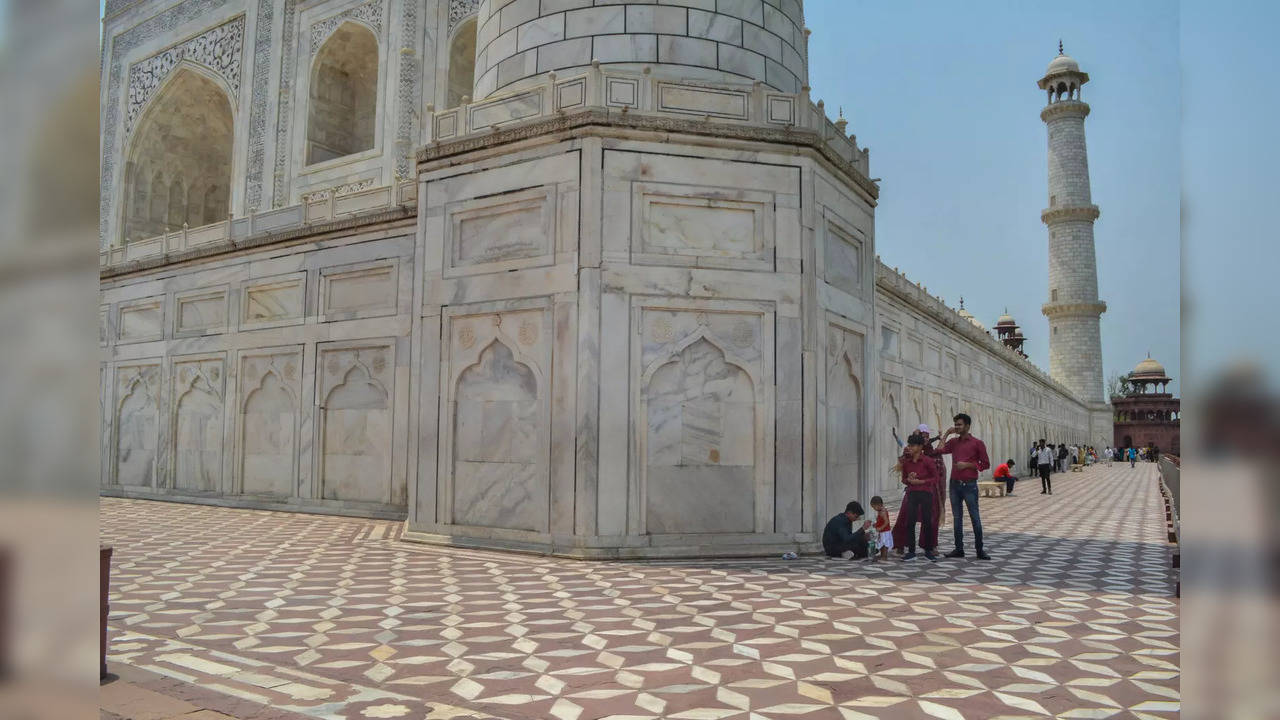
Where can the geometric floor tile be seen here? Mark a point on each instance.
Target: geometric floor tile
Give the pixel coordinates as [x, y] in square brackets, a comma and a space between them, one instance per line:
[337, 618]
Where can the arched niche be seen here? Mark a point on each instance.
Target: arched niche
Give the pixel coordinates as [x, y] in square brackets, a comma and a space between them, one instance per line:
[343, 104]
[844, 481]
[180, 150]
[462, 62]
[498, 472]
[269, 438]
[700, 441]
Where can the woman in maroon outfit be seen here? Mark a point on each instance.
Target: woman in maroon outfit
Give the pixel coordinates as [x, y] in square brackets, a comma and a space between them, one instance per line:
[928, 531]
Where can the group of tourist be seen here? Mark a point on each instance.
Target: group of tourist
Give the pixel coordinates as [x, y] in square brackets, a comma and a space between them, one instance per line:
[853, 535]
[922, 470]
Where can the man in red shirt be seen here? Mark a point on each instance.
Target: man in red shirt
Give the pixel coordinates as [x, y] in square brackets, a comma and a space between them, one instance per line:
[1004, 471]
[968, 459]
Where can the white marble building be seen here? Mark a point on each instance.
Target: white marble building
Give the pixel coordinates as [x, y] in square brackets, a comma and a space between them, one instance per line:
[591, 278]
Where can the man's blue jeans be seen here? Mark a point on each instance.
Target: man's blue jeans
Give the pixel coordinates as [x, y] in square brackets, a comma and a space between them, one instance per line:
[968, 493]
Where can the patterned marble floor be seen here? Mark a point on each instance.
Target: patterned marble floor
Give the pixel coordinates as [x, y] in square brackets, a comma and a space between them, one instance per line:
[335, 618]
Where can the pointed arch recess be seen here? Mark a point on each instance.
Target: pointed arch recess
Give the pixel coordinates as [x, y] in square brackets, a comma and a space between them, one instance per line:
[183, 138]
[343, 99]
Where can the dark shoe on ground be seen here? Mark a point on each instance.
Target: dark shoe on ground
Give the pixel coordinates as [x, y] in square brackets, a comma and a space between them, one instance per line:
[930, 556]
[983, 556]
[909, 556]
[1044, 492]
[957, 553]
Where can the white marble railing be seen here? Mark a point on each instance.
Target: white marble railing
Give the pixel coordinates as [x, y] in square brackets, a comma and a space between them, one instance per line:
[644, 93]
[318, 208]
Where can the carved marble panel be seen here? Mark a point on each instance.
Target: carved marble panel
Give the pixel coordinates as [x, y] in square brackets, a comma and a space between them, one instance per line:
[703, 101]
[460, 10]
[267, 438]
[219, 49]
[703, 407]
[842, 258]
[845, 422]
[366, 289]
[697, 225]
[273, 301]
[355, 425]
[498, 419]
[197, 424]
[140, 320]
[200, 312]
[517, 226]
[370, 14]
[137, 423]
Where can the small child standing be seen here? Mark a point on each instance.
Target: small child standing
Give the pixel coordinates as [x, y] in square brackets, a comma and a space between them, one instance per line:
[883, 527]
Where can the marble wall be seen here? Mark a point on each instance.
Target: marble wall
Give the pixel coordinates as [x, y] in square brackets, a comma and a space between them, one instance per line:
[645, 319]
[269, 379]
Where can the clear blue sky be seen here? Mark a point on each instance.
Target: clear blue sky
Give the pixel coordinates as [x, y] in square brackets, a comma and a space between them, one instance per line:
[944, 94]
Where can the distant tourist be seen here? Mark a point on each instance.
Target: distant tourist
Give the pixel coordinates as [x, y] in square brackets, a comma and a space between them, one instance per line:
[969, 458]
[1133, 457]
[1044, 465]
[1155, 453]
[882, 528]
[1004, 471]
[1062, 457]
[839, 539]
[920, 476]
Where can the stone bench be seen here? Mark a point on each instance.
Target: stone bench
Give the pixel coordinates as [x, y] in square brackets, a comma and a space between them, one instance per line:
[987, 487]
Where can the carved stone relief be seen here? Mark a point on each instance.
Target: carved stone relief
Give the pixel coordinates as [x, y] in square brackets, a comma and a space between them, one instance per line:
[844, 473]
[500, 438]
[369, 13]
[218, 49]
[197, 425]
[268, 441]
[460, 10]
[137, 423]
[700, 421]
[356, 423]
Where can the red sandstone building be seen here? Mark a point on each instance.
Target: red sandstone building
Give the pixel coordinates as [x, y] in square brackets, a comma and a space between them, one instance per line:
[1149, 415]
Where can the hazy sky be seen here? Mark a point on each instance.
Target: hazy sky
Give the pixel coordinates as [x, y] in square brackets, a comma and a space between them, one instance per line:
[945, 95]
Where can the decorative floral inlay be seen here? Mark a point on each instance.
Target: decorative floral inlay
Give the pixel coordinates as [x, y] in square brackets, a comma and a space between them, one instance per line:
[460, 10]
[662, 330]
[218, 49]
[369, 13]
[528, 333]
[466, 337]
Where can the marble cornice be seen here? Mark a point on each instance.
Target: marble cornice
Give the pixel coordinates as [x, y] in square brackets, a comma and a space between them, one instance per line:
[1084, 309]
[259, 240]
[1065, 108]
[599, 117]
[1050, 216]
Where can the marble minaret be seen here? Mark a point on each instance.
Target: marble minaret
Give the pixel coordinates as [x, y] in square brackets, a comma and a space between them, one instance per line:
[1073, 309]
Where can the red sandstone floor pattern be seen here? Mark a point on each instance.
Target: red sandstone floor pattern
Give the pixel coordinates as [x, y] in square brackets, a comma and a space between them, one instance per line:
[336, 618]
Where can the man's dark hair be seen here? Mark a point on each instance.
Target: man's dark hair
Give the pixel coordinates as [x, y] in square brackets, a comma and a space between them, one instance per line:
[1010, 461]
[877, 500]
[916, 439]
[963, 418]
[1041, 439]
[854, 507]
